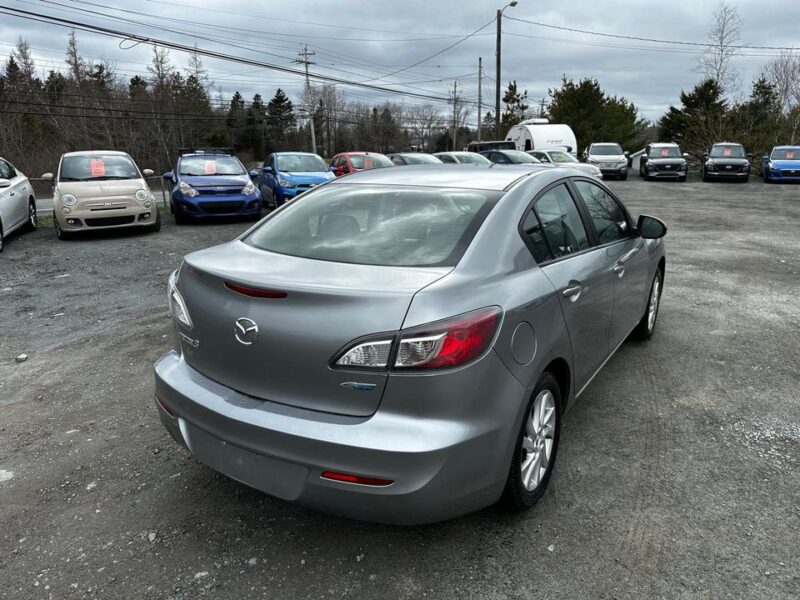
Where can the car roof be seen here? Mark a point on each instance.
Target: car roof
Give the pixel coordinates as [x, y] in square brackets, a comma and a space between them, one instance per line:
[92, 152]
[785, 146]
[476, 177]
[660, 144]
[360, 153]
[726, 144]
[290, 153]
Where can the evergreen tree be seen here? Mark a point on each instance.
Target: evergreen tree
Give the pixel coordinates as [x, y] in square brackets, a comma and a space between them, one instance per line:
[699, 121]
[516, 106]
[280, 120]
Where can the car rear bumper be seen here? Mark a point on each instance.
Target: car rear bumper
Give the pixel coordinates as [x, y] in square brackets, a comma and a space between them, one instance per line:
[440, 466]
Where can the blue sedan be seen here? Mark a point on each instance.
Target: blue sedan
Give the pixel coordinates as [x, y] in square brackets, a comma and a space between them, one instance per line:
[782, 164]
[208, 184]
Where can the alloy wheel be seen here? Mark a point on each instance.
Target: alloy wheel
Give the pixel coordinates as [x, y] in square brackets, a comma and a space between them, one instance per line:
[537, 440]
[652, 307]
[33, 219]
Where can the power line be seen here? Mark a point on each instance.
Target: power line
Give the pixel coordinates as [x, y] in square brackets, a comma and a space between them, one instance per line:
[442, 51]
[646, 39]
[123, 35]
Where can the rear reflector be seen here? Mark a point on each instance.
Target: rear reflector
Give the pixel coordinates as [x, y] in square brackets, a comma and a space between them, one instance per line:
[164, 407]
[347, 478]
[254, 292]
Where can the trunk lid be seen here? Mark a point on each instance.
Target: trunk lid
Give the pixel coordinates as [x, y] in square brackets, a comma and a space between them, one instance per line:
[327, 306]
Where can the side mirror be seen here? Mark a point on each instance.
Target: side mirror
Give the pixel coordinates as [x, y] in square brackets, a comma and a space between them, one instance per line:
[651, 228]
[333, 169]
[765, 158]
[168, 175]
[705, 156]
[685, 155]
[643, 158]
[253, 173]
[750, 155]
[4, 183]
[267, 170]
[48, 176]
[627, 154]
[584, 155]
[148, 173]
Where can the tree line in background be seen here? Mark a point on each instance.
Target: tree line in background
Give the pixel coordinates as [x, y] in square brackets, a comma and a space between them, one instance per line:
[89, 105]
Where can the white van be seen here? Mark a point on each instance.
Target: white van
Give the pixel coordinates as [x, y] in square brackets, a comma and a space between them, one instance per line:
[540, 134]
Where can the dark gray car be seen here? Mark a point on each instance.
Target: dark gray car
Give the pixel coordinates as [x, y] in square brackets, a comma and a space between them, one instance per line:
[726, 160]
[400, 345]
[663, 161]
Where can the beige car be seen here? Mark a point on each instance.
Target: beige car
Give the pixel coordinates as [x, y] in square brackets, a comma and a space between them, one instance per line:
[101, 190]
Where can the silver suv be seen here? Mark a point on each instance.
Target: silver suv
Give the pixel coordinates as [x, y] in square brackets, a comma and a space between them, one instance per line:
[610, 158]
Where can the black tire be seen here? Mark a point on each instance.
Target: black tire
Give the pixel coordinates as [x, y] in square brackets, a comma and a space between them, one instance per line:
[180, 219]
[705, 177]
[682, 179]
[623, 177]
[60, 234]
[644, 331]
[746, 179]
[2, 239]
[33, 218]
[516, 495]
[157, 225]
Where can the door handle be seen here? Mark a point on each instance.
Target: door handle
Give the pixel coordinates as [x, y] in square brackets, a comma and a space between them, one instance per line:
[619, 269]
[572, 292]
[10, 193]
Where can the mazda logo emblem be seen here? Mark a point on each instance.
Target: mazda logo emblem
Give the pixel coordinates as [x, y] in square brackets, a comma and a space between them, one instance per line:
[245, 331]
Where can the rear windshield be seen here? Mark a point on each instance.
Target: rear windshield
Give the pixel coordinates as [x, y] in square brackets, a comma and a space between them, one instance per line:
[210, 165]
[786, 154]
[472, 158]
[605, 149]
[370, 161]
[519, 156]
[378, 225]
[421, 159]
[729, 151]
[301, 163]
[97, 167]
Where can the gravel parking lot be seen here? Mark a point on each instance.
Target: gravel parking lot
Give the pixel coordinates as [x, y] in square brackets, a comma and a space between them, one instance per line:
[678, 474]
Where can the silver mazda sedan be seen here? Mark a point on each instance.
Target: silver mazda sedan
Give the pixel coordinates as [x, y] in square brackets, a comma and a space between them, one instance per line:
[399, 345]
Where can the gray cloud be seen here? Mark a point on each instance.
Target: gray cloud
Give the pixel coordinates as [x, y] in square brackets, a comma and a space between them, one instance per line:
[536, 57]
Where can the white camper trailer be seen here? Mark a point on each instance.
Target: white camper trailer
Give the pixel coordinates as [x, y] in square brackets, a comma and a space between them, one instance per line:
[540, 134]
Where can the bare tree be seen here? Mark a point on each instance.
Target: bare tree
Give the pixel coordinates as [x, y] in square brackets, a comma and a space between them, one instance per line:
[783, 72]
[424, 121]
[724, 34]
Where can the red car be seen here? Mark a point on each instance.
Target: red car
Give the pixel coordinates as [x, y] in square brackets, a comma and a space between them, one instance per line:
[350, 162]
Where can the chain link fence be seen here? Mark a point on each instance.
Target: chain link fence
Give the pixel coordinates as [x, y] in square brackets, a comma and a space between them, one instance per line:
[43, 192]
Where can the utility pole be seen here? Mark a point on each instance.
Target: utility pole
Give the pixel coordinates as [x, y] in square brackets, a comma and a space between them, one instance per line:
[480, 86]
[497, 77]
[303, 58]
[455, 112]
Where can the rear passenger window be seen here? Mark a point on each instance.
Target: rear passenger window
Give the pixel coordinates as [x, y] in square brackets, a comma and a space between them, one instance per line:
[560, 222]
[532, 230]
[606, 213]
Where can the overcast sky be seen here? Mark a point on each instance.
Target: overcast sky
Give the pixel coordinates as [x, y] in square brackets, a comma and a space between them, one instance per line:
[366, 41]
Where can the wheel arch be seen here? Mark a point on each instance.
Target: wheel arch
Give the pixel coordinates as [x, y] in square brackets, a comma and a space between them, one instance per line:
[559, 368]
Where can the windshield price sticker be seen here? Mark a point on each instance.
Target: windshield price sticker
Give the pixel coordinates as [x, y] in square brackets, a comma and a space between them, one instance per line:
[210, 167]
[790, 155]
[97, 167]
[367, 163]
[665, 152]
[727, 152]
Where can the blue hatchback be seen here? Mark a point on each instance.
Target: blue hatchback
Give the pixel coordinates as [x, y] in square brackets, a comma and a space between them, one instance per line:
[208, 183]
[782, 164]
[286, 175]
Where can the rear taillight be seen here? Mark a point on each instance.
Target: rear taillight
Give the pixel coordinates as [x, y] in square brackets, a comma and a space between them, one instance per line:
[448, 343]
[254, 292]
[439, 345]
